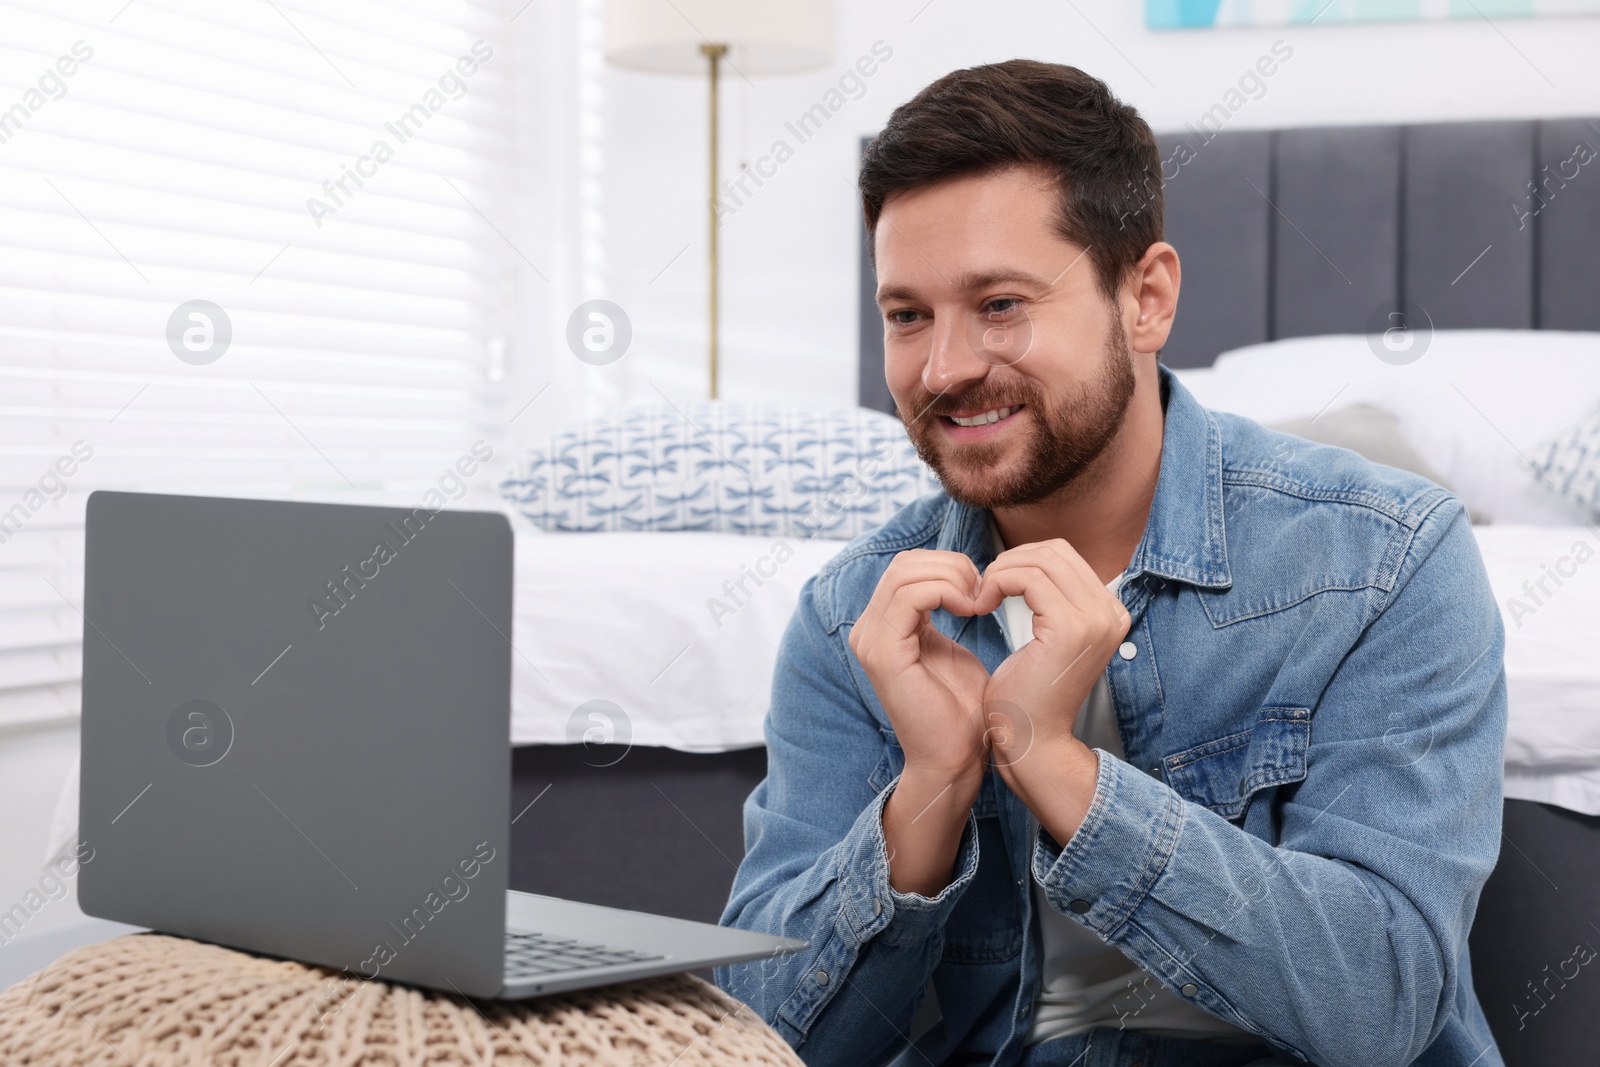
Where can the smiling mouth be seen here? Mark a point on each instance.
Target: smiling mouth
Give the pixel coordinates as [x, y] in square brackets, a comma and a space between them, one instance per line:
[984, 418]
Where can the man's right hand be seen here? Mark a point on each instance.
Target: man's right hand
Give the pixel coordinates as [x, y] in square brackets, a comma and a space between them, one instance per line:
[932, 690]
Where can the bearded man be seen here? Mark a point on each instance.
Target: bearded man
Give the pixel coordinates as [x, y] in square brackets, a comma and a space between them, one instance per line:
[1156, 737]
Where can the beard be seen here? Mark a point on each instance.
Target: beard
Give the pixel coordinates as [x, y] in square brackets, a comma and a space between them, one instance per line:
[1065, 438]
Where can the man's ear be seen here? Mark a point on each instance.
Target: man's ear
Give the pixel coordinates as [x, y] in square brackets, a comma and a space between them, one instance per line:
[1153, 291]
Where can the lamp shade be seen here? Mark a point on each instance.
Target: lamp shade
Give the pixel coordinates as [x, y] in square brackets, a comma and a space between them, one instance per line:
[771, 36]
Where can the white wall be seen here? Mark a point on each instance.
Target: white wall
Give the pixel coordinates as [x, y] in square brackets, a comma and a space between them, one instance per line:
[789, 266]
[33, 767]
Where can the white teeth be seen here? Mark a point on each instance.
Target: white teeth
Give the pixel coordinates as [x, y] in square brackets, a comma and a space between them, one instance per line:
[982, 420]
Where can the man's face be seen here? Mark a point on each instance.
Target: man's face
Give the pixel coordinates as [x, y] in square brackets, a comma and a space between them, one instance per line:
[1007, 365]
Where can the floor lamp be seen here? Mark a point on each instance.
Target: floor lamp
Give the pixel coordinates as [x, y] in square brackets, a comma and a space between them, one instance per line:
[749, 37]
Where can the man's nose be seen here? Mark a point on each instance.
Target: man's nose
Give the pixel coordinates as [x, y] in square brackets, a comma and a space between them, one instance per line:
[952, 363]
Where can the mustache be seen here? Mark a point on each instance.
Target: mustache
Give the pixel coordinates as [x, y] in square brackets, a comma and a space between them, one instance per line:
[926, 405]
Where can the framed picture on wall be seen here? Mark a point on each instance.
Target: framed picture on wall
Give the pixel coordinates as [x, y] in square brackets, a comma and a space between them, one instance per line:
[1199, 14]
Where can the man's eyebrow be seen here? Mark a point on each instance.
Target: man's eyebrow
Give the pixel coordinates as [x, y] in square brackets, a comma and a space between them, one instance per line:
[968, 282]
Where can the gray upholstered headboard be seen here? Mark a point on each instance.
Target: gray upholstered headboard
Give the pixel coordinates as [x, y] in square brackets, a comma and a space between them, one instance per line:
[1287, 233]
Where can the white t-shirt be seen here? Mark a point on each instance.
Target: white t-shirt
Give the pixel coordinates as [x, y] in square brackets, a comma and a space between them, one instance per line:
[1086, 982]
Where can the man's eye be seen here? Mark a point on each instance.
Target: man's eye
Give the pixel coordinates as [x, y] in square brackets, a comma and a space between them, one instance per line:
[902, 317]
[1001, 306]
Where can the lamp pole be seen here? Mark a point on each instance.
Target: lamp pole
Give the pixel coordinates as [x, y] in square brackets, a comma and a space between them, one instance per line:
[713, 54]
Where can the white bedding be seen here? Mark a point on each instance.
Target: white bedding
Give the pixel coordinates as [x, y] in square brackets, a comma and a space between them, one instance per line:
[679, 631]
[1552, 659]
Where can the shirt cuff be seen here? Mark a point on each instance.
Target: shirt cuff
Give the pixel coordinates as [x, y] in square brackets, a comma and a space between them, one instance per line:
[1119, 850]
[871, 907]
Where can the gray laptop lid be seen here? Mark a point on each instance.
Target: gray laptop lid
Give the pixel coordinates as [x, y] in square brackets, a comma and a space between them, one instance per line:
[296, 724]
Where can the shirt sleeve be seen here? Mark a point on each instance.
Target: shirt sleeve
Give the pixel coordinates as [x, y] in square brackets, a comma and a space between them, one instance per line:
[1339, 944]
[816, 867]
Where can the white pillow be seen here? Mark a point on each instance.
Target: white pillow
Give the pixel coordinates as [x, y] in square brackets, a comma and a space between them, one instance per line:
[1476, 405]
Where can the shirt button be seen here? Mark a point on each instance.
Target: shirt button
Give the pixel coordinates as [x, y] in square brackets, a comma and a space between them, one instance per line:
[877, 906]
[822, 978]
[1080, 906]
[1128, 650]
[1190, 989]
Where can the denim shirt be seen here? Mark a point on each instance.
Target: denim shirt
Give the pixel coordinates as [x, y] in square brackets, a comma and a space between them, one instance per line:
[1313, 718]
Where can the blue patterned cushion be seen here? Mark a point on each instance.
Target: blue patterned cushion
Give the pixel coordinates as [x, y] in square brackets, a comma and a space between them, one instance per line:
[740, 468]
[1571, 463]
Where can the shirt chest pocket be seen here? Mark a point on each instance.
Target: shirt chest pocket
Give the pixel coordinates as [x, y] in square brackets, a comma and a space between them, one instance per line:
[1223, 774]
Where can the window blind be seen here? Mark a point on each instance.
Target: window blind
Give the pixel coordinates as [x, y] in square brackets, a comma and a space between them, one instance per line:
[248, 249]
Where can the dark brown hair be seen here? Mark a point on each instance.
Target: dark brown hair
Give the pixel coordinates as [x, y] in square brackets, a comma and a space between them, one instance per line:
[1024, 112]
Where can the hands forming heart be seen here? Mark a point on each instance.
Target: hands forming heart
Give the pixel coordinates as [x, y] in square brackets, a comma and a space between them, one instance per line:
[950, 715]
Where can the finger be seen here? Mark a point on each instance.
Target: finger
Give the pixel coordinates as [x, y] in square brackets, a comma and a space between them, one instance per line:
[1052, 570]
[909, 606]
[925, 564]
[1070, 572]
[1042, 594]
[1062, 550]
[1057, 556]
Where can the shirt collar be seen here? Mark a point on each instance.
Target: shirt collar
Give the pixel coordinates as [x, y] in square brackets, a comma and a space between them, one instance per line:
[1184, 536]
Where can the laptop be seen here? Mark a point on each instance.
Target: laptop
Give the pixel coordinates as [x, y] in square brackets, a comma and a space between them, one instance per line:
[296, 742]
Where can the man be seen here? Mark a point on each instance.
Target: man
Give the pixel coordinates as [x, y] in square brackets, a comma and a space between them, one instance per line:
[1156, 737]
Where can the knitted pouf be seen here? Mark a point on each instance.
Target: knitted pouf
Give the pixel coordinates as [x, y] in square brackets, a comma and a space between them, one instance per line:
[147, 1000]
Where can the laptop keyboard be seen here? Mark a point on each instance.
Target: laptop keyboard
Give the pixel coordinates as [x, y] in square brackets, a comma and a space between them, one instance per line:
[537, 955]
